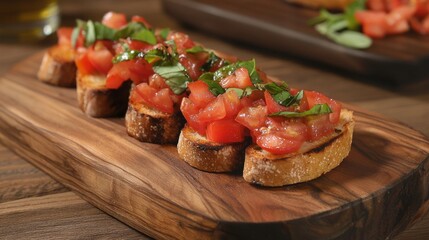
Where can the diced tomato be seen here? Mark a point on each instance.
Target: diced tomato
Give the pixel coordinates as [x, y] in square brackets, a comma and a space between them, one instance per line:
[319, 126]
[225, 131]
[215, 110]
[272, 105]
[181, 40]
[293, 91]
[232, 104]
[374, 24]
[192, 63]
[200, 93]
[252, 117]
[190, 112]
[135, 97]
[422, 8]
[114, 20]
[138, 45]
[157, 82]
[160, 100]
[141, 20]
[64, 36]
[377, 5]
[100, 57]
[313, 98]
[239, 79]
[276, 144]
[420, 26]
[138, 70]
[83, 64]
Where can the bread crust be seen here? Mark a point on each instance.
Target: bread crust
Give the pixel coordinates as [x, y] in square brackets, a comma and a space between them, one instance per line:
[149, 125]
[58, 67]
[97, 101]
[204, 155]
[330, 4]
[313, 160]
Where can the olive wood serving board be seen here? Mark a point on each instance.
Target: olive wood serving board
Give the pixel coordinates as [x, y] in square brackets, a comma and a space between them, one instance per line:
[379, 189]
[283, 27]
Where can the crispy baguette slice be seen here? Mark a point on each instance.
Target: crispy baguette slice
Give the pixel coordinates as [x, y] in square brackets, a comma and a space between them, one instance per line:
[97, 101]
[150, 125]
[204, 155]
[330, 4]
[58, 67]
[312, 160]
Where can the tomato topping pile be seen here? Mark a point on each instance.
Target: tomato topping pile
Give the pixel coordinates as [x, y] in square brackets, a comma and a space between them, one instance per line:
[393, 17]
[213, 116]
[229, 117]
[157, 94]
[223, 99]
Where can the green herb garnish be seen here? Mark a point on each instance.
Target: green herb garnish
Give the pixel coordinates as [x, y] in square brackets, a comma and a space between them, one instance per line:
[342, 27]
[211, 61]
[317, 109]
[230, 69]
[97, 31]
[175, 76]
[164, 33]
[196, 49]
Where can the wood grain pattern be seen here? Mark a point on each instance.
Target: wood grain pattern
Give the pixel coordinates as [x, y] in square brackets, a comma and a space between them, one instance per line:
[284, 28]
[38, 217]
[18, 179]
[374, 193]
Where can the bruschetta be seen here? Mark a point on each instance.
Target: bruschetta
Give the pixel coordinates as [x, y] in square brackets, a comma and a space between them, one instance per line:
[225, 115]
[58, 67]
[296, 135]
[98, 92]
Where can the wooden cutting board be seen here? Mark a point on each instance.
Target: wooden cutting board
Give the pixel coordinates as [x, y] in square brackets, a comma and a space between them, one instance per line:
[377, 191]
[284, 28]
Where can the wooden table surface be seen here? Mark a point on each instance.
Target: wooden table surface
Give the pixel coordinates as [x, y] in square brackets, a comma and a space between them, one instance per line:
[33, 205]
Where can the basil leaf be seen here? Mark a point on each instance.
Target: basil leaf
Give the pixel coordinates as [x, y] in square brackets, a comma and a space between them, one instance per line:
[317, 109]
[144, 35]
[127, 55]
[214, 86]
[230, 69]
[352, 39]
[155, 55]
[241, 93]
[127, 31]
[341, 27]
[350, 11]
[196, 49]
[207, 76]
[293, 100]
[103, 32]
[273, 88]
[211, 61]
[90, 33]
[251, 68]
[164, 33]
[175, 77]
[75, 36]
[282, 97]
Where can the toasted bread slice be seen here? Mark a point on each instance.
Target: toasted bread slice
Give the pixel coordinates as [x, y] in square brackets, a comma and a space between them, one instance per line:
[58, 67]
[98, 101]
[150, 125]
[208, 156]
[330, 4]
[311, 161]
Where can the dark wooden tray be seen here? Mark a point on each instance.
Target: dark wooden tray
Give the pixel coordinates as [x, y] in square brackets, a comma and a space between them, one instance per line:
[276, 25]
[377, 191]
